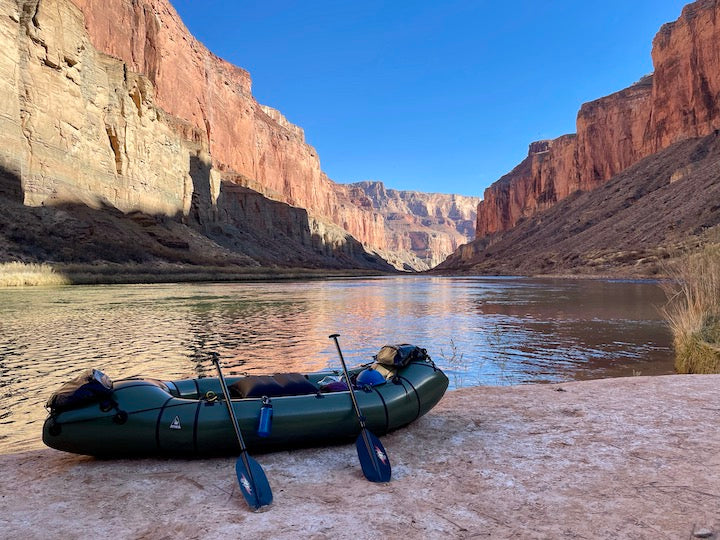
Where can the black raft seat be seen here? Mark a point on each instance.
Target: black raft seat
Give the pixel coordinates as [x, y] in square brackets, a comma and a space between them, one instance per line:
[278, 385]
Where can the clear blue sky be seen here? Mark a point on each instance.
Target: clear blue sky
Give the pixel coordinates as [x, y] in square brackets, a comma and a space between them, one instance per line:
[438, 96]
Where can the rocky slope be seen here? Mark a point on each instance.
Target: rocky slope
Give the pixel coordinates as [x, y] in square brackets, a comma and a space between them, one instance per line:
[421, 229]
[677, 102]
[635, 224]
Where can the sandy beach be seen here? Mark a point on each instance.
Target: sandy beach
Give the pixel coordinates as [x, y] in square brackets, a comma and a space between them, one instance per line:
[614, 458]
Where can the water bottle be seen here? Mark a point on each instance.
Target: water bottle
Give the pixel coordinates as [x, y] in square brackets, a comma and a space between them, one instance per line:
[265, 421]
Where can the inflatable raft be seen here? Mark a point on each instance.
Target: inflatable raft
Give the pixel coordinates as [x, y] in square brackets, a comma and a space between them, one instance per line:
[141, 416]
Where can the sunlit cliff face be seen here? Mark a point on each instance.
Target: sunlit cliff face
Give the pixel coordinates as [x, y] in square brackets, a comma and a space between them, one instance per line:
[677, 102]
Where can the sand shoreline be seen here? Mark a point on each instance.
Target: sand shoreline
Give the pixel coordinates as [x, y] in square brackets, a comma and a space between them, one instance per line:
[613, 458]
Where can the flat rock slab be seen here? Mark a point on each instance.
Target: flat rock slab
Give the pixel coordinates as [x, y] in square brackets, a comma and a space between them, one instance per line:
[615, 458]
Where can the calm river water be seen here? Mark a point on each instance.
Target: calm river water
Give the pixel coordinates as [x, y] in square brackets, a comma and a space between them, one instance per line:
[480, 330]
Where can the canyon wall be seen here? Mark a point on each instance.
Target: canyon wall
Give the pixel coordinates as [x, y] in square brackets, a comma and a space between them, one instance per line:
[79, 126]
[113, 104]
[642, 222]
[421, 229]
[248, 140]
[75, 125]
[679, 101]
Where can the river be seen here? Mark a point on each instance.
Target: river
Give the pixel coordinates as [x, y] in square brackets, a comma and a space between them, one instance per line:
[480, 330]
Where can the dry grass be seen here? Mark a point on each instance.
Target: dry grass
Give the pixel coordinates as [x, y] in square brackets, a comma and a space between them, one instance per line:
[17, 274]
[693, 312]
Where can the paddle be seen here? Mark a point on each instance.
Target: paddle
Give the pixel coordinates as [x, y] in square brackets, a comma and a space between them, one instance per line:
[253, 482]
[373, 458]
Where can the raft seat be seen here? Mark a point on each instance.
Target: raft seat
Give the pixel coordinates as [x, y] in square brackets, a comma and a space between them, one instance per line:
[278, 385]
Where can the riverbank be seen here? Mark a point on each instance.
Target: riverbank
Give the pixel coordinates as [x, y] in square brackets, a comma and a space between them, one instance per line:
[614, 458]
[32, 275]
[19, 275]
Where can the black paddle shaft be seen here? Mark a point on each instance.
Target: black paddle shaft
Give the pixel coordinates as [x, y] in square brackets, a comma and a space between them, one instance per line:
[334, 337]
[226, 394]
[373, 458]
[254, 486]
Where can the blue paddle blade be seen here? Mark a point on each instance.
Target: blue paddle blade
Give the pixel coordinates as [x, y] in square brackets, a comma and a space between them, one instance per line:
[373, 458]
[253, 482]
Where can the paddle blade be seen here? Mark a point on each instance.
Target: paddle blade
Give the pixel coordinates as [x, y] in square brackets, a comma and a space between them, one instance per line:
[373, 458]
[253, 482]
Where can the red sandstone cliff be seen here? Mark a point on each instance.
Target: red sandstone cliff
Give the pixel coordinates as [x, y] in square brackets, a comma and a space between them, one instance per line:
[115, 103]
[679, 101]
[255, 144]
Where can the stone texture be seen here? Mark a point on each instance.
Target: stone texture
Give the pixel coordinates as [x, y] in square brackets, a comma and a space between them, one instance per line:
[548, 173]
[686, 56]
[679, 101]
[612, 134]
[77, 126]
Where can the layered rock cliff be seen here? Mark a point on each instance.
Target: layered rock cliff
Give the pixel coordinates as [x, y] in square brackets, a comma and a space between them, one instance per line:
[81, 127]
[113, 104]
[421, 229]
[252, 142]
[679, 101]
[637, 224]
[75, 125]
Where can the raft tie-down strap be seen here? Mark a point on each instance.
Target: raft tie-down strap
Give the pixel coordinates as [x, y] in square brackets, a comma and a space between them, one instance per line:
[387, 415]
[417, 396]
[195, 426]
[157, 424]
[427, 363]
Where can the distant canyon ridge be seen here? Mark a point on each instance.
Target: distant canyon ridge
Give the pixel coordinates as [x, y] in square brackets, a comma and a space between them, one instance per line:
[635, 187]
[123, 138]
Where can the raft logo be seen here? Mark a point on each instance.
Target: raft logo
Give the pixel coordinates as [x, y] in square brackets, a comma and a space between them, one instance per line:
[176, 423]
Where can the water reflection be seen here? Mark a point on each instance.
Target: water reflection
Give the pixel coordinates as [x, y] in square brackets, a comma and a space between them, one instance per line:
[480, 330]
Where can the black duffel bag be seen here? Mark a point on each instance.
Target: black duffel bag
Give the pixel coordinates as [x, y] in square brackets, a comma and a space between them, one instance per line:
[93, 386]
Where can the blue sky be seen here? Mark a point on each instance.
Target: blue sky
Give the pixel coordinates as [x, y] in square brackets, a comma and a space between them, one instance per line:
[437, 96]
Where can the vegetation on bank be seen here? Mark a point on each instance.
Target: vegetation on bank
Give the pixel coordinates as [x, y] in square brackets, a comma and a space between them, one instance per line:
[693, 312]
[17, 274]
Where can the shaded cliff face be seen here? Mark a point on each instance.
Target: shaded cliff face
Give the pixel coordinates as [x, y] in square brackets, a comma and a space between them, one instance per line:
[680, 100]
[421, 229]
